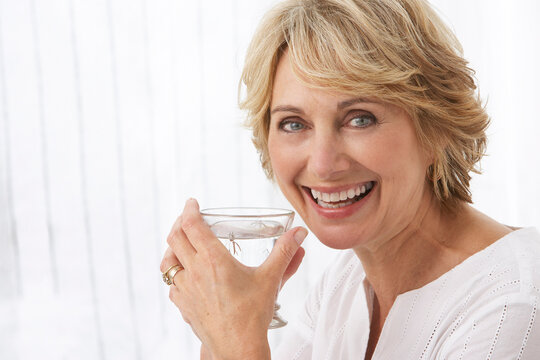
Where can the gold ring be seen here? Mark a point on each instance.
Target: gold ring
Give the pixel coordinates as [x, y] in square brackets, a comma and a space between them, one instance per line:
[168, 275]
[173, 272]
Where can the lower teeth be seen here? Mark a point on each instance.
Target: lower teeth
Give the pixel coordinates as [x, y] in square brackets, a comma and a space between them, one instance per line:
[334, 206]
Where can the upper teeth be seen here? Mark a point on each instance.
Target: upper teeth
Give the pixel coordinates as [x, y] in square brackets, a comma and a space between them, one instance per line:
[342, 195]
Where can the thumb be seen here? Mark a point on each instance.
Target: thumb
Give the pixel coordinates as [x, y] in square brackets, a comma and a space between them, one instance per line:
[284, 250]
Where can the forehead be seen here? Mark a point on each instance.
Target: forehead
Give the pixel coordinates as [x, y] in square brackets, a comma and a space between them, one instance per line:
[291, 91]
[289, 87]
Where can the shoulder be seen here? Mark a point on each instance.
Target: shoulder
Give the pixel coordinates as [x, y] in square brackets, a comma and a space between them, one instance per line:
[485, 307]
[515, 263]
[510, 265]
[498, 318]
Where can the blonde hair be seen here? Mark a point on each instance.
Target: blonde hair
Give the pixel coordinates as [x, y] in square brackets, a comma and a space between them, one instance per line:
[398, 51]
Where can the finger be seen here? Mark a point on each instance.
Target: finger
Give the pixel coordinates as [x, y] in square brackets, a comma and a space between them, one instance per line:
[197, 230]
[179, 299]
[177, 276]
[293, 265]
[176, 298]
[180, 245]
[283, 252]
[170, 267]
[169, 259]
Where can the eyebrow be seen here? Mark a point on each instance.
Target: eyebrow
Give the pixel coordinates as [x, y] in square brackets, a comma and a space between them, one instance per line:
[287, 108]
[346, 103]
[340, 106]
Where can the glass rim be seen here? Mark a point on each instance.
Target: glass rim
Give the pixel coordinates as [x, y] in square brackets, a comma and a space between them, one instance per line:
[266, 211]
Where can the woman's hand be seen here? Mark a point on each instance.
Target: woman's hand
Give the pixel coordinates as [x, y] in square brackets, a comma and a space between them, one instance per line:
[228, 305]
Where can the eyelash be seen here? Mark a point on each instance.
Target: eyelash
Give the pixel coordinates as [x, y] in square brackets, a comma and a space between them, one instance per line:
[367, 115]
[286, 122]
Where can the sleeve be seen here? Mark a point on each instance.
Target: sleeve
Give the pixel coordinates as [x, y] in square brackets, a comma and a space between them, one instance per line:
[505, 328]
[297, 341]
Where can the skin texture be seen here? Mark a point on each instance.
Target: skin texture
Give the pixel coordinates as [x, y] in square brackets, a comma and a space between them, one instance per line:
[330, 142]
[330, 152]
[228, 305]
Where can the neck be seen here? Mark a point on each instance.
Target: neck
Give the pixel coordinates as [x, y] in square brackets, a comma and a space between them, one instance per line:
[427, 247]
[431, 244]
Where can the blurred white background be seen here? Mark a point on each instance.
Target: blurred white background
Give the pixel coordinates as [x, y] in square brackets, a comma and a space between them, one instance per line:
[113, 112]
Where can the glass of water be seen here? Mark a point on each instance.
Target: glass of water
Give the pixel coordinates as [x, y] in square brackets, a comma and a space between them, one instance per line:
[250, 234]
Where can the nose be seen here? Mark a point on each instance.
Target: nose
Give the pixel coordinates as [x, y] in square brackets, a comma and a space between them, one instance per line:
[327, 157]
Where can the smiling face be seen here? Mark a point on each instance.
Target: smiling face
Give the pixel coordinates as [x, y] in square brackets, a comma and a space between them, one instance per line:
[352, 167]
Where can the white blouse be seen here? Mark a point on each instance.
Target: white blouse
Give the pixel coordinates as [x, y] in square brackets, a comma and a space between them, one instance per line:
[484, 308]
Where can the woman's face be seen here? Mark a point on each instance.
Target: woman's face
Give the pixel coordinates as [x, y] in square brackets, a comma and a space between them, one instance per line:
[352, 167]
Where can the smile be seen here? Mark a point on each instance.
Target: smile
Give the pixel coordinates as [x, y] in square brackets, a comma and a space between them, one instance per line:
[342, 198]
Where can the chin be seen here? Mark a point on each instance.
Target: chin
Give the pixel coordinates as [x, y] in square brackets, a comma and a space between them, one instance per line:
[338, 239]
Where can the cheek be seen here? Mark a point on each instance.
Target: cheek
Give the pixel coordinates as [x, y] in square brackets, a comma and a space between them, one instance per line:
[384, 155]
[286, 163]
[397, 159]
[400, 153]
[279, 159]
[282, 150]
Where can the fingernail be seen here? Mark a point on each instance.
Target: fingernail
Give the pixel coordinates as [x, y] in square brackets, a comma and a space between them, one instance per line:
[300, 235]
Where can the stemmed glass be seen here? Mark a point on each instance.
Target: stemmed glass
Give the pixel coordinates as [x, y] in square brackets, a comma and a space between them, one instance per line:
[249, 233]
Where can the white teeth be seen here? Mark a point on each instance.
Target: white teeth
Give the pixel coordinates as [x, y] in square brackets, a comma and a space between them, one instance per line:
[334, 206]
[326, 197]
[327, 200]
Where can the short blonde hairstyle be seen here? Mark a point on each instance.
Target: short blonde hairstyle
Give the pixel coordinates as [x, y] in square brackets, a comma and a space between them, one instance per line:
[398, 51]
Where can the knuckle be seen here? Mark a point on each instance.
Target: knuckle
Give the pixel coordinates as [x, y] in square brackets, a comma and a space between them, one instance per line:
[162, 266]
[188, 222]
[176, 226]
[170, 239]
[287, 251]
[178, 220]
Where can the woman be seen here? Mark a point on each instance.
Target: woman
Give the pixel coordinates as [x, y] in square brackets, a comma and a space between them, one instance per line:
[365, 114]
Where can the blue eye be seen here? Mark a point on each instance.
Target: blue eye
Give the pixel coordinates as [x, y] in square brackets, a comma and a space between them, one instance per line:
[362, 121]
[291, 126]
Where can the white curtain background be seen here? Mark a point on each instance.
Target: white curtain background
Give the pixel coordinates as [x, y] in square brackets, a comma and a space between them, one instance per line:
[114, 112]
